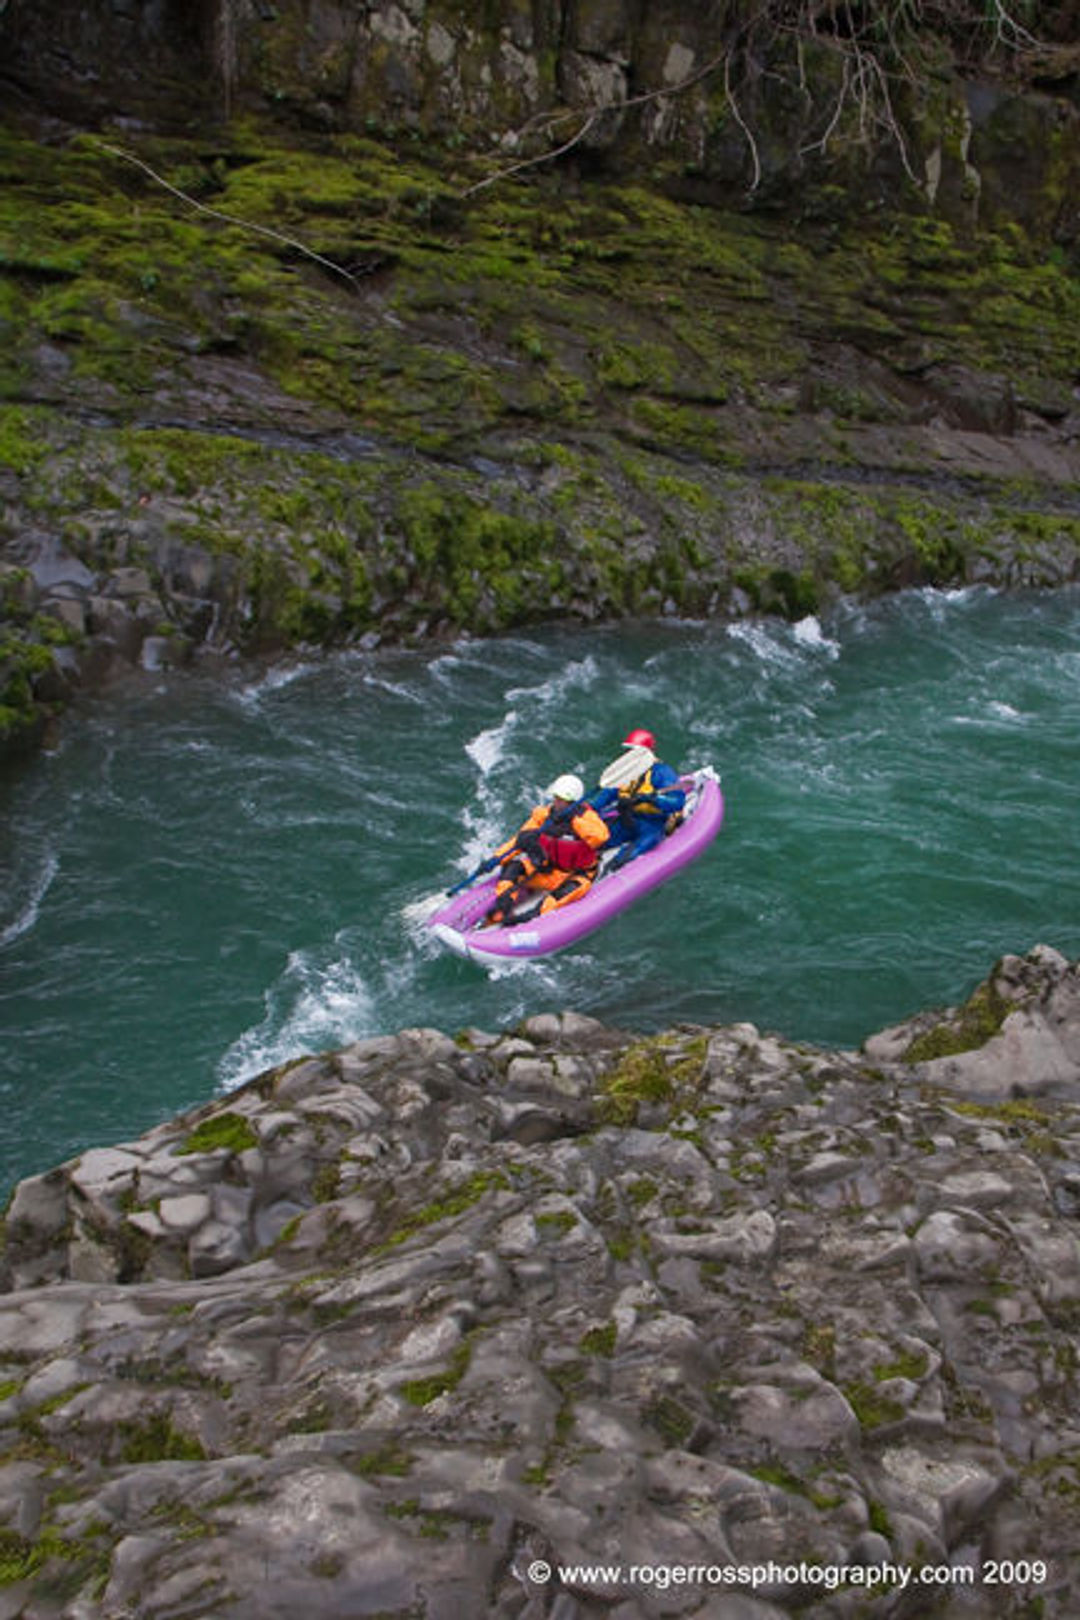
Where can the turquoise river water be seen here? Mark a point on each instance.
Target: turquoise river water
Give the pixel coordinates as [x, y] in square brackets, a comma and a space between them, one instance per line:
[211, 875]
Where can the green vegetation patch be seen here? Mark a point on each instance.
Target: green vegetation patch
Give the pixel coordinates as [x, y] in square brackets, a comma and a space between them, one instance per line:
[650, 1071]
[28, 644]
[18, 1557]
[23, 445]
[389, 1460]
[1018, 1111]
[156, 1440]
[910, 1364]
[492, 569]
[978, 1021]
[455, 1202]
[449, 340]
[58, 1566]
[1032, 1123]
[228, 1130]
[311, 237]
[674, 1422]
[422, 1391]
[872, 1406]
[600, 1341]
[326, 1184]
[434, 1524]
[819, 1348]
[778, 1474]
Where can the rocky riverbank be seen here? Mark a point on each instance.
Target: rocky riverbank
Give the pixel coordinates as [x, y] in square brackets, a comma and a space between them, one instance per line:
[392, 1330]
[300, 356]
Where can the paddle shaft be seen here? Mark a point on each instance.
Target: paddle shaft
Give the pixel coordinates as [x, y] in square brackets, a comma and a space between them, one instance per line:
[485, 866]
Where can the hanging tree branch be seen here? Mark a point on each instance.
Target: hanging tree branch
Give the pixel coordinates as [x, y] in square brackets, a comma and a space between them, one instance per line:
[743, 125]
[877, 46]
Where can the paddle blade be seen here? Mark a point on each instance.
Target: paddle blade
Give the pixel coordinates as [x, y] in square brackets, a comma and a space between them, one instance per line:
[628, 767]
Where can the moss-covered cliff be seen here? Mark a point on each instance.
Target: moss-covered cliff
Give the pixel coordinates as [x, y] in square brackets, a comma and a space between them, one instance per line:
[323, 369]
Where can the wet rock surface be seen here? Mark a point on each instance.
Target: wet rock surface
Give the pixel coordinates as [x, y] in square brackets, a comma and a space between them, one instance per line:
[410, 1328]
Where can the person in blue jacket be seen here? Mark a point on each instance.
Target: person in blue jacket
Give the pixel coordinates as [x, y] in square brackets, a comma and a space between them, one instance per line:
[640, 810]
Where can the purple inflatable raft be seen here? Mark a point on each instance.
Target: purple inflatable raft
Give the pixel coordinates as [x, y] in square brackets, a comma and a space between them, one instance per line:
[456, 924]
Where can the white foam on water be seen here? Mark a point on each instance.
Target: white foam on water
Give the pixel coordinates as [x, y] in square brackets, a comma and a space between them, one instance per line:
[996, 713]
[553, 688]
[535, 973]
[489, 748]
[446, 666]
[808, 633]
[316, 1007]
[397, 689]
[250, 696]
[415, 913]
[31, 907]
[528, 706]
[938, 600]
[485, 822]
[481, 820]
[763, 641]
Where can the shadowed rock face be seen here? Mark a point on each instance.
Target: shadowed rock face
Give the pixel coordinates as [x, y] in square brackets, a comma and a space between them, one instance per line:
[737, 95]
[387, 1326]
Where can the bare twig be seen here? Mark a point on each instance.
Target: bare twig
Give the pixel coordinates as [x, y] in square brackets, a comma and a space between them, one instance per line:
[591, 118]
[228, 219]
[544, 157]
[743, 125]
[821, 145]
[1007, 31]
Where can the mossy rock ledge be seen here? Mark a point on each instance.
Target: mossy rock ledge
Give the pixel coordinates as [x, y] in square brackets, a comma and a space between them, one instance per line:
[288, 360]
[389, 1328]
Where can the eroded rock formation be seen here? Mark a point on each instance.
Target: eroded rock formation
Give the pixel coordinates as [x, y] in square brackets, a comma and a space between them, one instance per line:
[389, 1328]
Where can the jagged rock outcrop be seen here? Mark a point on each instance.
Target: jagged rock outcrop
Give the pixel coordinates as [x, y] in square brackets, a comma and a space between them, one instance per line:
[410, 1328]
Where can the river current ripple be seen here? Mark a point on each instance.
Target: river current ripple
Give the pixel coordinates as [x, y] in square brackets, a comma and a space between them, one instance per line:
[213, 876]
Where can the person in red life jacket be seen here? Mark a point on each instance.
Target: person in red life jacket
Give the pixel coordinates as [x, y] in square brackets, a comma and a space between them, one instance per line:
[646, 801]
[555, 852]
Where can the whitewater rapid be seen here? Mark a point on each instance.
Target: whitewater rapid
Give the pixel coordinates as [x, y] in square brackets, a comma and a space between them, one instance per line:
[212, 877]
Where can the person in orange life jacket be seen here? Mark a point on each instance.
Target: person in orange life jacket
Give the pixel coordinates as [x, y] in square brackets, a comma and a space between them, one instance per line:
[639, 812]
[554, 852]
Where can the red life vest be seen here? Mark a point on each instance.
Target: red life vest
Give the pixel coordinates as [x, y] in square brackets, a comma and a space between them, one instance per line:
[562, 845]
[568, 854]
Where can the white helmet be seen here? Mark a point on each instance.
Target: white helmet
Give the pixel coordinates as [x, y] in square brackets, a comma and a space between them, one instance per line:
[568, 787]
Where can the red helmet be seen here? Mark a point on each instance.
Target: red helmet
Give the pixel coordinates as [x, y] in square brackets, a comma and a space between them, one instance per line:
[640, 739]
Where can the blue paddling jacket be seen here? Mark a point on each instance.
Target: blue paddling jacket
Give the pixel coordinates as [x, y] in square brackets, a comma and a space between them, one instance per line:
[642, 806]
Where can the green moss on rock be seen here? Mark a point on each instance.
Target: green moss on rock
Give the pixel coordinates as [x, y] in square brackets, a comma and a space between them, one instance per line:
[229, 1131]
[977, 1022]
[444, 411]
[156, 1440]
